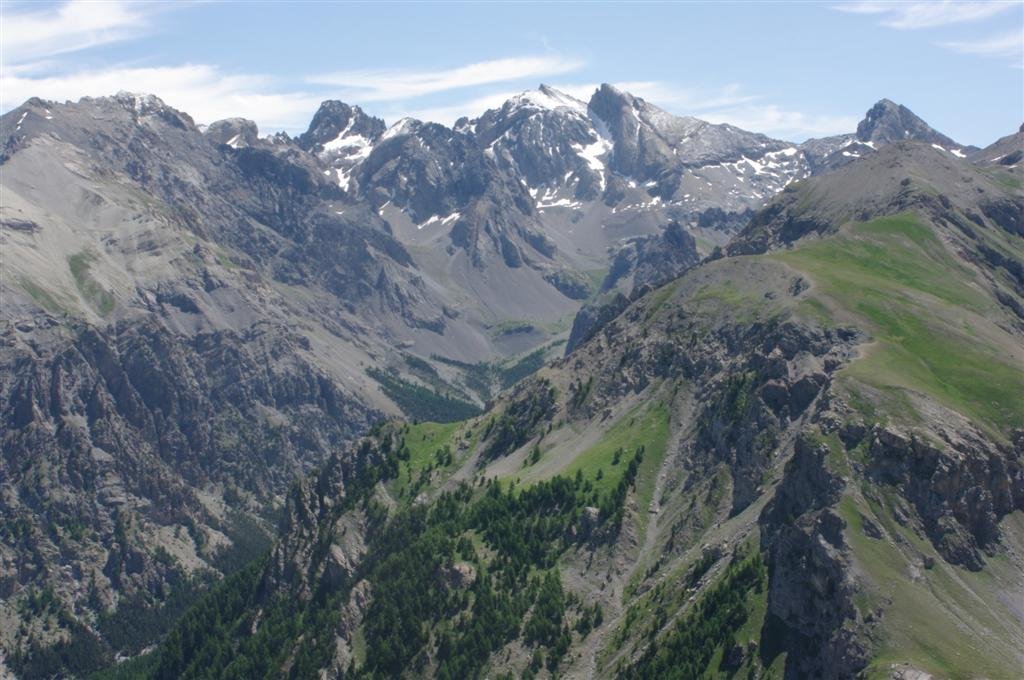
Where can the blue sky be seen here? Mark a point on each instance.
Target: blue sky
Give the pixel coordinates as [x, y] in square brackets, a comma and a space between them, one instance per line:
[792, 70]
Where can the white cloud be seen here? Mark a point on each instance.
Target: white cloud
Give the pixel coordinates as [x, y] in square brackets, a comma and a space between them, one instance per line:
[201, 90]
[73, 26]
[679, 99]
[915, 15]
[397, 84]
[776, 121]
[1003, 45]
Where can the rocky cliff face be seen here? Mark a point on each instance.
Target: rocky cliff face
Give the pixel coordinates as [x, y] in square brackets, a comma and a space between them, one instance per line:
[887, 122]
[138, 464]
[159, 391]
[640, 265]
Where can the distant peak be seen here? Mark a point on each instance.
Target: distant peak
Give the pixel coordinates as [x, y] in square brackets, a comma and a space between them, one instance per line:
[608, 97]
[403, 126]
[139, 101]
[235, 132]
[143, 105]
[337, 106]
[547, 97]
[334, 119]
[888, 121]
[886, 107]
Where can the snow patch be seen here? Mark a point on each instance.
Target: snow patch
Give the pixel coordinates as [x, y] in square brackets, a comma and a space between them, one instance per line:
[560, 203]
[758, 167]
[956, 152]
[355, 146]
[343, 178]
[591, 155]
[437, 219]
[548, 99]
[402, 127]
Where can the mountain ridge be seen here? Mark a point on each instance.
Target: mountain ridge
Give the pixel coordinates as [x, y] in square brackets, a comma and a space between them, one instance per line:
[194, 316]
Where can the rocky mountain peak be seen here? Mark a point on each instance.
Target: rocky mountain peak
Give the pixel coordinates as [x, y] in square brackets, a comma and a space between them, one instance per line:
[337, 125]
[613, 106]
[402, 127]
[611, 94]
[888, 121]
[143, 105]
[139, 102]
[547, 97]
[235, 132]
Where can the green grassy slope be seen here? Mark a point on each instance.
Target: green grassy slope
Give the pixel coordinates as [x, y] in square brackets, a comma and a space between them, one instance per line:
[935, 329]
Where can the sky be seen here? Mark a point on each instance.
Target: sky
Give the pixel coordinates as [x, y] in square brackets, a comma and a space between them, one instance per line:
[788, 69]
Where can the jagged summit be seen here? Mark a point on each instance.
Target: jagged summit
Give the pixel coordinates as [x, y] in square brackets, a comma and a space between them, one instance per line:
[888, 121]
[547, 97]
[337, 125]
[139, 100]
[884, 123]
[235, 132]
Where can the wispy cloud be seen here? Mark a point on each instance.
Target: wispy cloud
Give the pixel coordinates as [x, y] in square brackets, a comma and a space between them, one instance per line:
[777, 121]
[684, 99]
[37, 44]
[1003, 45]
[916, 15]
[397, 84]
[203, 91]
[923, 15]
[70, 27]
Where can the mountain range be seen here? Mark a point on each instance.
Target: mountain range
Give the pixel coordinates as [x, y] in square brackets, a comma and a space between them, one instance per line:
[790, 377]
